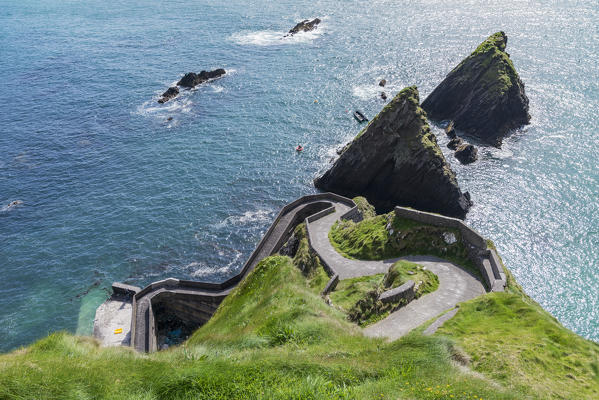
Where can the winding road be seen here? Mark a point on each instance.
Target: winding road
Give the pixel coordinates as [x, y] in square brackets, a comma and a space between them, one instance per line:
[455, 283]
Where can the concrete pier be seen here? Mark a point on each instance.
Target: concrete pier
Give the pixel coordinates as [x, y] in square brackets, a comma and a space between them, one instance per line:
[112, 324]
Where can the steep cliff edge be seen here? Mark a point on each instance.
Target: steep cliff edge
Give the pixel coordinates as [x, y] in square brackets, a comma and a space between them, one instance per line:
[483, 95]
[396, 160]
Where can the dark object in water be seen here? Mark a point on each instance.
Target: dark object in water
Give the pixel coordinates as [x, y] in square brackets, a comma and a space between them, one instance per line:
[383, 82]
[454, 143]
[191, 79]
[359, 116]
[170, 93]
[304, 26]
[466, 153]
[383, 95]
[299, 148]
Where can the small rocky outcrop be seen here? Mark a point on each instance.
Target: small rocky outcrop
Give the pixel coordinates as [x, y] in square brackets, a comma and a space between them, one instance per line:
[483, 95]
[383, 95]
[450, 131]
[304, 26]
[396, 160]
[466, 153]
[191, 79]
[454, 143]
[383, 82]
[170, 93]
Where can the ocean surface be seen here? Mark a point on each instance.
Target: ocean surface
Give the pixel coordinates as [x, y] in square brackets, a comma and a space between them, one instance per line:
[113, 191]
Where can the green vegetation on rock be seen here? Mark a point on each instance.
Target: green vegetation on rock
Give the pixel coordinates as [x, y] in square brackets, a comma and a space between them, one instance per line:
[366, 209]
[383, 158]
[483, 94]
[388, 236]
[308, 262]
[403, 271]
[490, 57]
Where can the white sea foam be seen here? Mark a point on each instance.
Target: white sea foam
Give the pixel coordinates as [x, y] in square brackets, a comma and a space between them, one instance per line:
[11, 205]
[181, 104]
[369, 91]
[274, 38]
[501, 153]
[365, 92]
[246, 218]
[201, 270]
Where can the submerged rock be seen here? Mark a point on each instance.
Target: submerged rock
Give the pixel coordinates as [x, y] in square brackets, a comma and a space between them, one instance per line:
[383, 95]
[396, 160]
[170, 93]
[191, 79]
[466, 153]
[483, 95]
[304, 26]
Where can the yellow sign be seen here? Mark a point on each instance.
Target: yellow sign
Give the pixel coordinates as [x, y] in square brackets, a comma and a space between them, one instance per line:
[117, 331]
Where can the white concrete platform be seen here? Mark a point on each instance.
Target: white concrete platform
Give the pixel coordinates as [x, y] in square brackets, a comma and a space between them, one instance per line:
[113, 314]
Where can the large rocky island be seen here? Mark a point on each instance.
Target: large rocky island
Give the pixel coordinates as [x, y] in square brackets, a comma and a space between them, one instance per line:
[396, 160]
[483, 95]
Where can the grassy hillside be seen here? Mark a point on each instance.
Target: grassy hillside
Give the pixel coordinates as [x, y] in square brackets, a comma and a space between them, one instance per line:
[275, 338]
[511, 339]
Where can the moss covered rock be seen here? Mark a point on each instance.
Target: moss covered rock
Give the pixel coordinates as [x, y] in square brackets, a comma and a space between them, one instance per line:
[483, 95]
[396, 160]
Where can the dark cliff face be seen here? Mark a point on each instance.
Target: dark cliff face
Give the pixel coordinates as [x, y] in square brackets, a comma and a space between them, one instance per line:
[396, 160]
[483, 95]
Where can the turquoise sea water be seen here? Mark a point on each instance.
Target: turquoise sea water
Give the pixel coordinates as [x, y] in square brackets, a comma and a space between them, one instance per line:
[112, 191]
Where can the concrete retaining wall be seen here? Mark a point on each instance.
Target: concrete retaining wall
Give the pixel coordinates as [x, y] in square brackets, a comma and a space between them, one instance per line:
[331, 285]
[484, 258]
[471, 236]
[197, 301]
[405, 291]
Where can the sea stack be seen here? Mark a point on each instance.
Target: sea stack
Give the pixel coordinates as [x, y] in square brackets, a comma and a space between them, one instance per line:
[396, 160]
[483, 95]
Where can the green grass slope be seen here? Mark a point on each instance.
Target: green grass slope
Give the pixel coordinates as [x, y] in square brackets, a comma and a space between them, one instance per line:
[511, 339]
[272, 338]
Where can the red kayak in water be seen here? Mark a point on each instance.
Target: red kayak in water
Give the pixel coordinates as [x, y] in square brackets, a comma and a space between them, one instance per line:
[299, 148]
